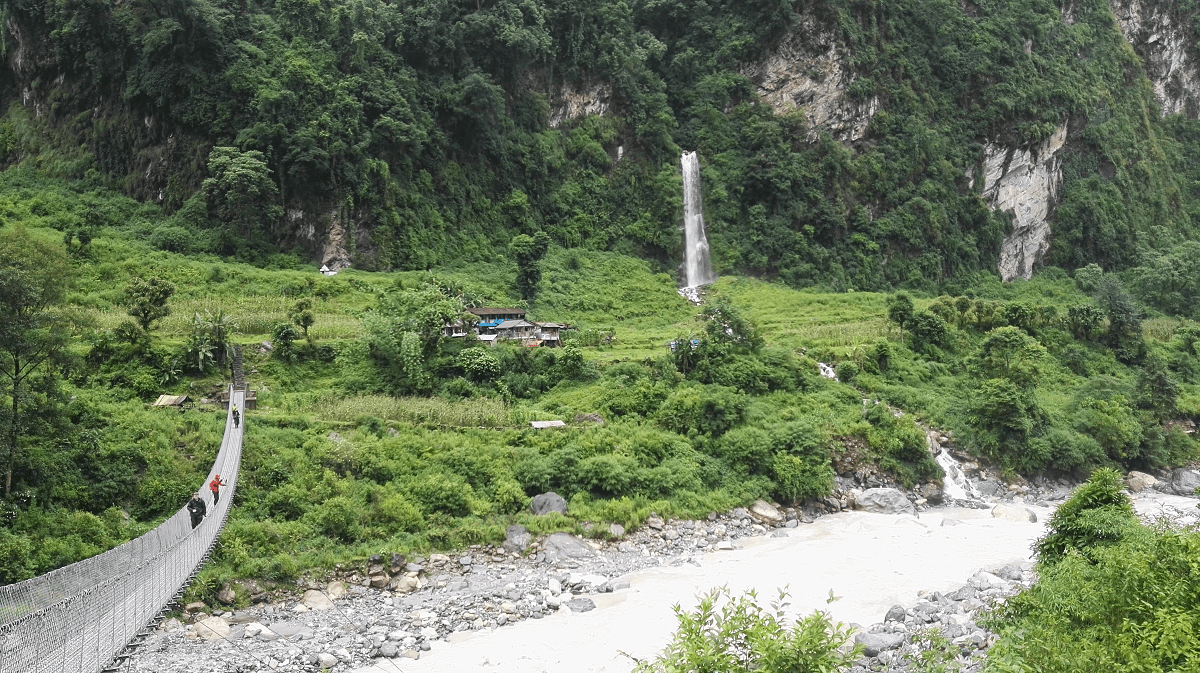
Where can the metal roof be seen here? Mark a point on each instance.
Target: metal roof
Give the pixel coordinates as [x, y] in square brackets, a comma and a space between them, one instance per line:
[171, 400]
[496, 311]
[512, 324]
[542, 425]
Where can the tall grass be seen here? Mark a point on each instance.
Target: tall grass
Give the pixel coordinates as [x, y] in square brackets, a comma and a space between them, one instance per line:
[479, 412]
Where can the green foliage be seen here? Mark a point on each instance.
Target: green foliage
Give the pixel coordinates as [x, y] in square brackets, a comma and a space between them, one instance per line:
[240, 191]
[707, 410]
[1097, 514]
[900, 309]
[743, 635]
[528, 252]
[147, 300]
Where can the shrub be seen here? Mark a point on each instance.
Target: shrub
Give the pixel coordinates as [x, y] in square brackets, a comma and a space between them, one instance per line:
[397, 512]
[705, 410]
[1098, 513]
[337, 517]
[441, 492]
[742, 636]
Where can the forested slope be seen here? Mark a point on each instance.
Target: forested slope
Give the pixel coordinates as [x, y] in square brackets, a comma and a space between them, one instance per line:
[411, 134]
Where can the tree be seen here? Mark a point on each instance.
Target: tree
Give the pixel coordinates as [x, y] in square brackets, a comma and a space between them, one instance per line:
[926, 330]
[1083, 320]
[725, 324]
[302, 315]
[1009, 353]
[900, 309]
[34, 276]
[1098, 513]
[240, 190]
[213, 331]
[147, 300]
[528, 252]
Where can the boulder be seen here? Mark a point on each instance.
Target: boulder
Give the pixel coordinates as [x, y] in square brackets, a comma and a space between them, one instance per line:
[1010, 512]
[1184, 481]
[1011, 572]
[567, 546]
[884, 501]
[895, 613]
[581, 604]
[326, 660]
[548, 502]
[764, 512]
[336, 590]
[315, 600]
[193, 607]
[516, 539]
[211, 628]
[379, 581]
[1137, 482]
[226, 594]
[874, 643]
[616, 530]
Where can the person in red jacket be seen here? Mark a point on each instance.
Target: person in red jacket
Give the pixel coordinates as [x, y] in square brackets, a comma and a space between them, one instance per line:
[215, 486]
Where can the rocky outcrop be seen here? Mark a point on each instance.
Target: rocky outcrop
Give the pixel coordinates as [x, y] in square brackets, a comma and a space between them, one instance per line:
[1024, 182]
[569, 101]
[810, 71]
[1161, 36]
[884, 501]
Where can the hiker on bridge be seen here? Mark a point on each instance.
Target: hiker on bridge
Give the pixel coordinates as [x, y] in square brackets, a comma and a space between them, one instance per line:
[237, 416]
[197, 509]
[215, 486]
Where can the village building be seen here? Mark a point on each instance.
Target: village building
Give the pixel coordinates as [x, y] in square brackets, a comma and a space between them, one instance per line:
[508, 324]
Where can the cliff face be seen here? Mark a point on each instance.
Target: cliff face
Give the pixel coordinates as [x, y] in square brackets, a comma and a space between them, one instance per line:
[1162, 38]
[810, 72]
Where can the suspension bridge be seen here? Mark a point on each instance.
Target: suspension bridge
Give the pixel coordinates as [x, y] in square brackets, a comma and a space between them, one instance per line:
[87, 617]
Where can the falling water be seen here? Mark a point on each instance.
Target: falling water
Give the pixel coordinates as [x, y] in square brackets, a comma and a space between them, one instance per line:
[697, 266]
[955, 485]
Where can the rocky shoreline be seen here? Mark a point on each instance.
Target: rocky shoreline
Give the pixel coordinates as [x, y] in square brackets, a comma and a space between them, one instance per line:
[396, 608]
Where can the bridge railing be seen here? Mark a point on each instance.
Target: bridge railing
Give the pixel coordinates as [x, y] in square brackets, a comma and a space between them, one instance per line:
[79, 617]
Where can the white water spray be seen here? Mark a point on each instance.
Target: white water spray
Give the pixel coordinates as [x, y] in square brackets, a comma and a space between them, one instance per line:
[697, 266]
[956, 486]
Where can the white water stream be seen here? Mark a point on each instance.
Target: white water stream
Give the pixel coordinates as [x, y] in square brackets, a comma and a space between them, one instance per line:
[697, 266]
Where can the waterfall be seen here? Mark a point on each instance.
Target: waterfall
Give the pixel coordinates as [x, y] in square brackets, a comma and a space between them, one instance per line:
[697, 267]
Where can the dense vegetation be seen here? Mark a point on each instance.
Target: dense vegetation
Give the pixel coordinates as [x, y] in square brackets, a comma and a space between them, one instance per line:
[424, 127]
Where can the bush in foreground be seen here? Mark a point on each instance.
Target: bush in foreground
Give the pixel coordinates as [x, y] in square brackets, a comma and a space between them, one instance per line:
[742, 636]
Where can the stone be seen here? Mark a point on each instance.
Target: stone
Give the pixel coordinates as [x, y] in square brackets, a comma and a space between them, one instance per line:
[617, 585]
[1011, 572]
[169, 625]
[951, 522]
[548, 502]
[379, 581]
[874, 643]
[226, 595]
[326, 660]
[1010, 512]
[764, 512]
[724, 545]
[315, 600]
[654, 522]
[1137, 482]
[411, 654]
[516, 539]
[389, 650]
[986, 580]
[581, 604]
[554, 586]
[197, 606]
[466, 560]
[896, 613]
[336, 590]
[779, 533]
[1185, 481]
[568, 546]
[211, 628]
[884, 501]
[616, 530]
[989, 487]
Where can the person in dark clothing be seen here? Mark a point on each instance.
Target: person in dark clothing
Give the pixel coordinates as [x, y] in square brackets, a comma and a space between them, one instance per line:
[215, 486]
[197, 509]
[237, 417]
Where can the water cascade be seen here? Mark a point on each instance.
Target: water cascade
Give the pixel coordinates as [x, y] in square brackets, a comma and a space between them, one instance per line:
[697, 266]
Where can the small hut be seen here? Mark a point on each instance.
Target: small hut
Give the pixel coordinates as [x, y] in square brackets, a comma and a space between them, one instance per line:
[177, 401]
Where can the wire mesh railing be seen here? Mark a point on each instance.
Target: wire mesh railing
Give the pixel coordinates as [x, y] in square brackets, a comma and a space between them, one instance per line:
[79, 617]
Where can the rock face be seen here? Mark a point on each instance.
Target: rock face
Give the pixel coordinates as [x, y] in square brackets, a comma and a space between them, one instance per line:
[1024, 182]
[548, 502]
[809, 71]
[884, 501]
[1160, 35]
[572, 101]
[1184, 481]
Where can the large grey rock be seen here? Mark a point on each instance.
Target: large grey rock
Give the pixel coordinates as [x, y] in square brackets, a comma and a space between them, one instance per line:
[326, 660]
[884, 501]
[226, 594]
[1185, 481]
[895, 613]
[516, 539]
[1010, 512]
[764, 512]
[874, 643]
[336, 590]
[567, 546]
[581, 604]
[548, 502]
[1137, 482]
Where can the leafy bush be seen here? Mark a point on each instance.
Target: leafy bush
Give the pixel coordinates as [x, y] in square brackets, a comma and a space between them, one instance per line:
[1097, 514]
[708, 410]
[742, 635]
